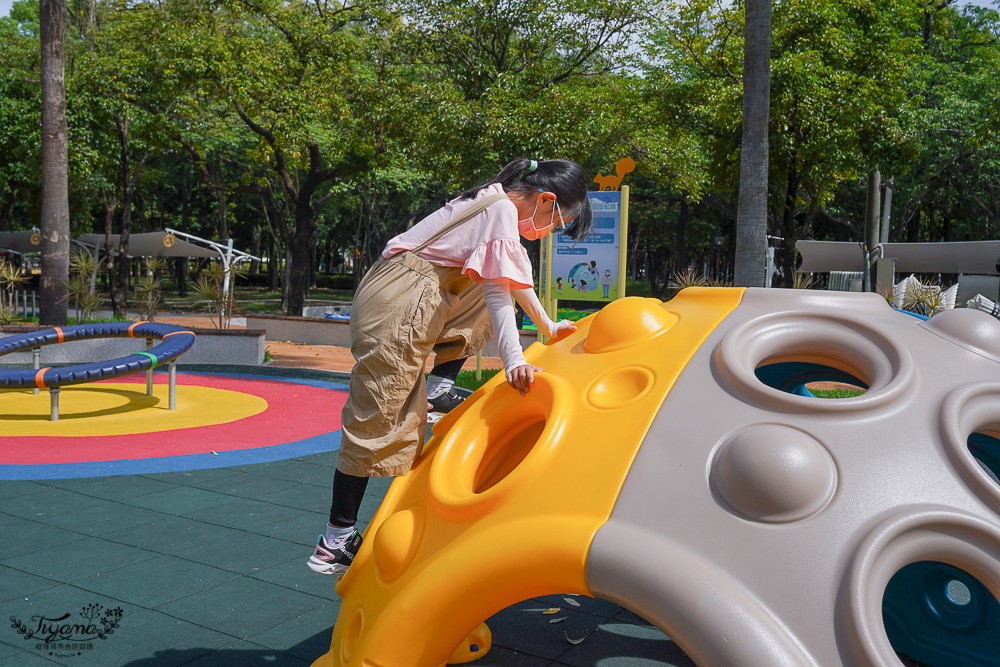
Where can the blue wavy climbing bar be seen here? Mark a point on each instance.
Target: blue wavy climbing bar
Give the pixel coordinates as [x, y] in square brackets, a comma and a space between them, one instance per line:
[174, 341]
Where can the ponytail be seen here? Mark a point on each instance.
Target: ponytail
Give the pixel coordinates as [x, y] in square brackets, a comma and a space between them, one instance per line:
[564, 178]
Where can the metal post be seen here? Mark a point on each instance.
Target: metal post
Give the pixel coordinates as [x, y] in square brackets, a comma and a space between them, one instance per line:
[54, 404]
[883, 234]
[172, 367]
[550, 292]
[227, 261]
[543, 289]
[623, 243]
[479, 365]
[149, 373]
[36, 363]
[34, 305]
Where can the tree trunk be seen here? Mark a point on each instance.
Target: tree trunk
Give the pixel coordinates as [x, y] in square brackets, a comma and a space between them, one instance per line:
[872, 210]
[751, 215]
[110, 205]
[55, 174]
[681, 238]
[120, 280]
[299, 246]
[272, 265]
[222, 215]
[788, 231]
[313, 263]
[255, 244]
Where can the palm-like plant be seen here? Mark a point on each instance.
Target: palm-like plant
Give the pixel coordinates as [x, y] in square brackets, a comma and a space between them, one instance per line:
[10, 277]
[211, 287]
[924, 299]
[687, 278]
[147, 288]
[82, 266]
[802, 280]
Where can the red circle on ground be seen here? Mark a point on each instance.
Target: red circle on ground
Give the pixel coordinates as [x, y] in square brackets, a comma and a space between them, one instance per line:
[294, 412]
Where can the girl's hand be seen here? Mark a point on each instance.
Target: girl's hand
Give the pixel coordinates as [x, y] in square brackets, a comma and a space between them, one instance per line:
[521, 377]
[562, 328]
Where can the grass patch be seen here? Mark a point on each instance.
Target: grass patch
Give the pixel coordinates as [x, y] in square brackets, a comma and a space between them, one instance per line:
[467, 379]
[836, 393]
[261, 307]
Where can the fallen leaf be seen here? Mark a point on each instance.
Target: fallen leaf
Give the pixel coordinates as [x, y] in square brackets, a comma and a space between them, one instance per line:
[572, 602]
[574, 641]
[559, 620]
[551, 610]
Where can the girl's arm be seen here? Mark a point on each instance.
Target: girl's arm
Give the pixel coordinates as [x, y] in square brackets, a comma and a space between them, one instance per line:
[519, 373]
[534, 310]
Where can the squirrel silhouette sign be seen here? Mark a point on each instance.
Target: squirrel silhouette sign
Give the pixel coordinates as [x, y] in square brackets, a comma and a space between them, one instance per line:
[614, 181]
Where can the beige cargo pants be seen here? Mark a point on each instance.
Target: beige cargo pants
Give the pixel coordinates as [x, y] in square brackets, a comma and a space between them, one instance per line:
[404, 309]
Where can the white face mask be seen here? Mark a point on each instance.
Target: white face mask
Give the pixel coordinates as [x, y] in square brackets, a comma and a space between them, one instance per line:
[527, 228]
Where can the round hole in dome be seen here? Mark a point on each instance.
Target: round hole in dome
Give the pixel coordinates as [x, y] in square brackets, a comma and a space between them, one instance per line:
[504, 453]
[934, 612]
[810, 379]
[751, 359]
[985, 449]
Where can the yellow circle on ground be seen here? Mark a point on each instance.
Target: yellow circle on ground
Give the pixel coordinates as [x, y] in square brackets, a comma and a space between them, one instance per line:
[121, 409]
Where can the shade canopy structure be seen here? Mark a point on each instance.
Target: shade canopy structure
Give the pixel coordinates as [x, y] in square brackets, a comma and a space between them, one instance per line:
[978, 257]
[21, 242]
[152, 244]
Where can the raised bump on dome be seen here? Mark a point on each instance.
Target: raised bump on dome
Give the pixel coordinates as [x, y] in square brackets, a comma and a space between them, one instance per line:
[627, 322]
[396, 542]
[973, 329]
[773, 474]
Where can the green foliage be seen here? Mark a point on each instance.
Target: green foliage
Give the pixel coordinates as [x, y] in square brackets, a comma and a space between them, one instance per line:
[467, 379]
[323, 129]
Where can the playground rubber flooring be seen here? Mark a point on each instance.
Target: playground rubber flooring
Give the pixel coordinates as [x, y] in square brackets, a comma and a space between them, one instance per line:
[163, 566]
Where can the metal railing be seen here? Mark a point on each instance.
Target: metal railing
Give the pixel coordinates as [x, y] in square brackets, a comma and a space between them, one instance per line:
[25, 303]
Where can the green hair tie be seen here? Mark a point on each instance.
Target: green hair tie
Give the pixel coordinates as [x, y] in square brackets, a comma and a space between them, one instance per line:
[533, 166]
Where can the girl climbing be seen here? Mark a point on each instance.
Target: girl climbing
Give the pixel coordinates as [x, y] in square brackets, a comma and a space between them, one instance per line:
[444, 286]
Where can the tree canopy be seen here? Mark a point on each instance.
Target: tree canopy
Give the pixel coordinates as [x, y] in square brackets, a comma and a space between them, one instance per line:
[311, 132]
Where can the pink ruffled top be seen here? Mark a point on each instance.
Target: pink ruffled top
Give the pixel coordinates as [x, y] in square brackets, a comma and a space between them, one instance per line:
[487, 246]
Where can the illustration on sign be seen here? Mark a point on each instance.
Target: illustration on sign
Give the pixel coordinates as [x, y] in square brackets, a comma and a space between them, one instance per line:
[587, 270]
[624, 166]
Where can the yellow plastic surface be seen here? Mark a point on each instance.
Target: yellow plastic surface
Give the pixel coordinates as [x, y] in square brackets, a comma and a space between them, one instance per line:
[475, 646]
[504, 501]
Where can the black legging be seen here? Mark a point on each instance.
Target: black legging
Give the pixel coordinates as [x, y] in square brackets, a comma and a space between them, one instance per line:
[348, 490]
[448, 369]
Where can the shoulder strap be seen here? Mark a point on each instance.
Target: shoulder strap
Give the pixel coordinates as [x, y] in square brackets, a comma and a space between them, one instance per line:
[471, 211]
